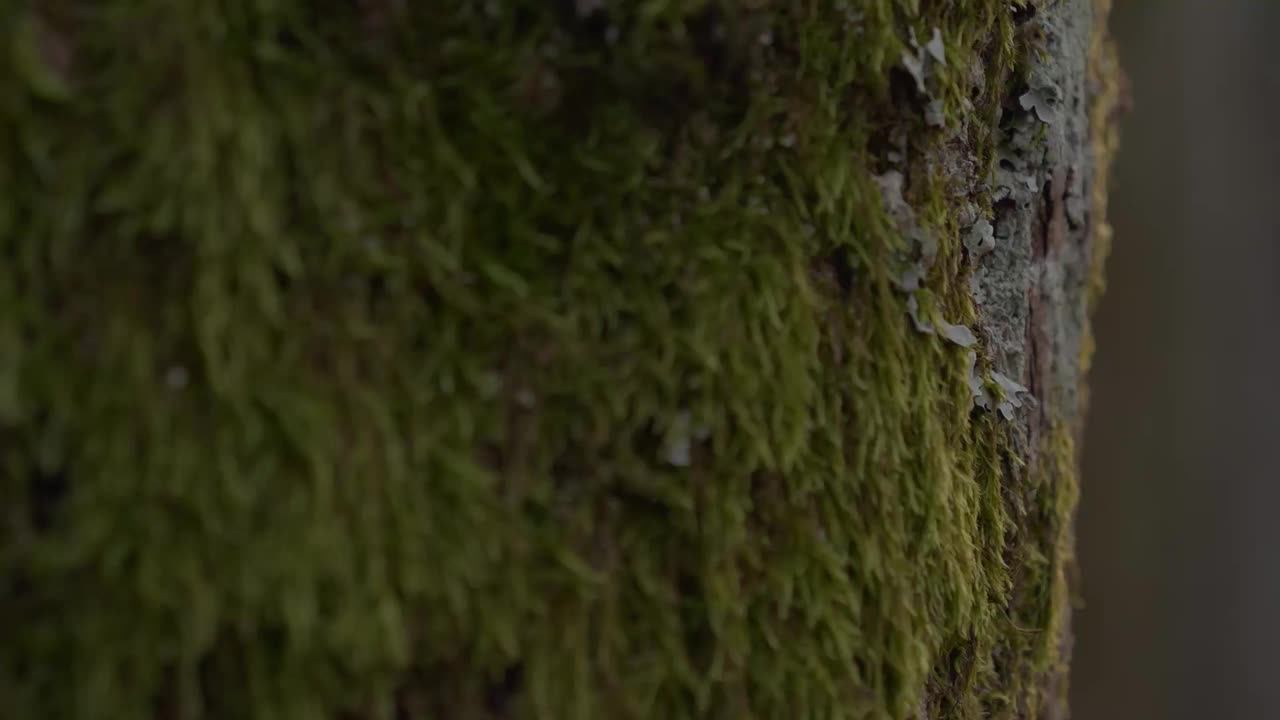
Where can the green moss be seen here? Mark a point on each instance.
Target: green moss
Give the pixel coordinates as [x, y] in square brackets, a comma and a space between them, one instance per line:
[344, 353]
[1108, 101]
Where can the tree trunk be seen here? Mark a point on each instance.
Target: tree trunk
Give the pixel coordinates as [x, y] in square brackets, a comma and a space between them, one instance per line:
[555, 360]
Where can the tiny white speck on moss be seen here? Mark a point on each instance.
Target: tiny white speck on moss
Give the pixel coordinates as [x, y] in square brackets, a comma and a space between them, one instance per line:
[177, 377]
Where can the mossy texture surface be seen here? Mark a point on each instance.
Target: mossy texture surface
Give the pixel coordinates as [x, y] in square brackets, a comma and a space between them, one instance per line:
[513, 359]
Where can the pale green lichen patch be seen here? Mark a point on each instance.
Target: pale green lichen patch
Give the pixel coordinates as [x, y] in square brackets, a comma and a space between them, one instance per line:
[485, 359]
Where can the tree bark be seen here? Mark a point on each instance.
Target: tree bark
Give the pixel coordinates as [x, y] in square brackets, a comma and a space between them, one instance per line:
[549, 360]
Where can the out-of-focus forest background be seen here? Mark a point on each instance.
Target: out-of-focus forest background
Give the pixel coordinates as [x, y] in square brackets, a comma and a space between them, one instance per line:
[1179, 526]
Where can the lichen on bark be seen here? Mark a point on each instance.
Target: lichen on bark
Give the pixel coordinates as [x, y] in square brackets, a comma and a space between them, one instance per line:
[531, 359]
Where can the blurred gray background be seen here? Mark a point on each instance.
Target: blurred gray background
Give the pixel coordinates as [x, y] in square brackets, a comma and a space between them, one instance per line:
[1178, 527]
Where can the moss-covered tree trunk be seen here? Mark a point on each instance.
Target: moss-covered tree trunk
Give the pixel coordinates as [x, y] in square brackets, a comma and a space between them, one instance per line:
[543, 359]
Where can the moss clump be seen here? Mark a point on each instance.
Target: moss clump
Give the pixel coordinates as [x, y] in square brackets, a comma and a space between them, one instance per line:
[476, 359]
[1109, 100]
